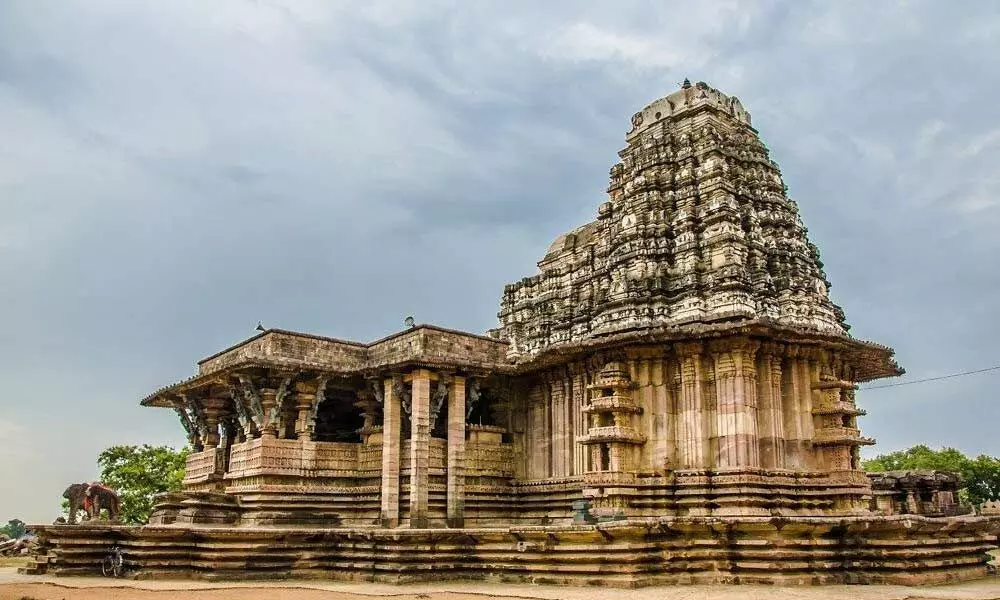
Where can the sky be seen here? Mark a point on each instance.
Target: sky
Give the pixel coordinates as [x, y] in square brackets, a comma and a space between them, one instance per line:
[173, 172]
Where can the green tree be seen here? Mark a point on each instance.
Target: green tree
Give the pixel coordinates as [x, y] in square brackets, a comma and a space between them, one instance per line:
[14, 529]
[981, 475]
[138, 473]
[919, 457]
[982, 479]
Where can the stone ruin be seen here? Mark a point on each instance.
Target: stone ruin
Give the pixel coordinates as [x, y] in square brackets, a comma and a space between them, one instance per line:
[669, 399]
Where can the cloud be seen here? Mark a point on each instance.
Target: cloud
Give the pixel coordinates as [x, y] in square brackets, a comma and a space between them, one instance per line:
[172, 172]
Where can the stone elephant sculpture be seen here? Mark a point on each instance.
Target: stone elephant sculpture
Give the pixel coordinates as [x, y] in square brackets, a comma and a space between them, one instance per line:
[98, 497]
[76, 494]
[92, 498]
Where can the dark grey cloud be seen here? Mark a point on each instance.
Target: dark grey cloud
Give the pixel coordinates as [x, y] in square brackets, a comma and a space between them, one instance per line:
[172, 172]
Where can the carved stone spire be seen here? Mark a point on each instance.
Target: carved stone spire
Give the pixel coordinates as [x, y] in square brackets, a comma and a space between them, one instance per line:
[697, 229]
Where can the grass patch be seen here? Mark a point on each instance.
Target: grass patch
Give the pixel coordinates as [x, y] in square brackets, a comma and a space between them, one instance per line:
[13, 561]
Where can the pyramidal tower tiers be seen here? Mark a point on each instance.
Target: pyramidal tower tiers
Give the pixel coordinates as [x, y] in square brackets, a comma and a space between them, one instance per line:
[698, 234]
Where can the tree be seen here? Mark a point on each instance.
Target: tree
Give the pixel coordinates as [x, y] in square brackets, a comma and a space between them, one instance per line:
[138, 473]
[982, 479]
[919, 457]
[981, 475]
[14, 529]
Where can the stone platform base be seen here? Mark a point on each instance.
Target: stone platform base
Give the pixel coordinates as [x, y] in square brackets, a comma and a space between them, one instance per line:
[897, 550]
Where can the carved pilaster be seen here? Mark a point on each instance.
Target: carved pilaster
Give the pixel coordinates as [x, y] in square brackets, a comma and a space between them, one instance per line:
[770, 420]
[691, 435]
[736, 407]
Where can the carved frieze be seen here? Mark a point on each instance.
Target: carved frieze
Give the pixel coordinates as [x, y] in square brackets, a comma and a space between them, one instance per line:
[438, 399]
[402, 391]
[473, 392]
[253, 401]
[314, 410]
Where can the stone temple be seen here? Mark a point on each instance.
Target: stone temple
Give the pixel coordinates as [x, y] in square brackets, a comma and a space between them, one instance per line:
[670, 398]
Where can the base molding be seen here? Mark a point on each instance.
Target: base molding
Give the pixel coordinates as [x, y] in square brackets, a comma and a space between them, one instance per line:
[632, 553]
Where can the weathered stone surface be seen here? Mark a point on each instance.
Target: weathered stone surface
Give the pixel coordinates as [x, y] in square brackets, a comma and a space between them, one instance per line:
[622, 554]
[697, 229]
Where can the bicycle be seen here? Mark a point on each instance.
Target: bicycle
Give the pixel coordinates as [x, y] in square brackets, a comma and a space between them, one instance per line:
[113, 564]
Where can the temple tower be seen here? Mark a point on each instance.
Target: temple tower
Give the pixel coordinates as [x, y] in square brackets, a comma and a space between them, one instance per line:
[697, 229]
[698, 260]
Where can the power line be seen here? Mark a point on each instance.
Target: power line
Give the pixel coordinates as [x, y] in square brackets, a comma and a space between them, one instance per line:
[888, 385]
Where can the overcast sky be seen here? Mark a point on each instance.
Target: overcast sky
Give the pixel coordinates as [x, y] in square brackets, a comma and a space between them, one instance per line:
[171, 172]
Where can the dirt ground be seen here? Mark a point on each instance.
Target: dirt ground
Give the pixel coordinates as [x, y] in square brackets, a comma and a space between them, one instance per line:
[18, 587]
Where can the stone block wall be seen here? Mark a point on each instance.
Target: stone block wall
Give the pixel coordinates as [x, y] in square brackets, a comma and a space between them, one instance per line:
[277, 346]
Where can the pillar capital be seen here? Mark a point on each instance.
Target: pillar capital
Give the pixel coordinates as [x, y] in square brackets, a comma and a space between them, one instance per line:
[740, 344]
[646, 353]
[576, 368]
[772, 349]
[688, 349]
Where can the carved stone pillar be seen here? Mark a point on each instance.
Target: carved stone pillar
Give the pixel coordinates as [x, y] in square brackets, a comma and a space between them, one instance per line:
[305, 399]
[391, 424]
[456, 452]
[212, 419]
[690, 434]
[420, 436]
[793, 389]
[770, 424]
[578, 383]
[736, 410]
[269, 403]
[369, 402]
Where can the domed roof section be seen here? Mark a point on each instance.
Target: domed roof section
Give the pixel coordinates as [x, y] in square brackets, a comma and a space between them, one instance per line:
[697, 231]
[688, 99]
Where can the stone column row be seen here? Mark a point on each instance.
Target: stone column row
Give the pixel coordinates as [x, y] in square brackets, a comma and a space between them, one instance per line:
[743, 404]
[736, 407]
[420, 435]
